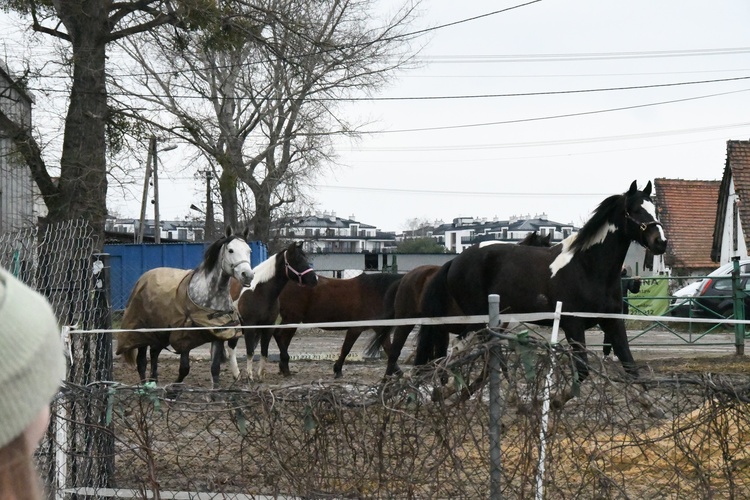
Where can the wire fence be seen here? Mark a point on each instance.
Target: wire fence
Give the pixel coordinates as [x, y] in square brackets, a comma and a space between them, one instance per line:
[422, 436]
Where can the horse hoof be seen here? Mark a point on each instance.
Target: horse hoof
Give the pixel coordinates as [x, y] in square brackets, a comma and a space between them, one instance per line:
[337, 374]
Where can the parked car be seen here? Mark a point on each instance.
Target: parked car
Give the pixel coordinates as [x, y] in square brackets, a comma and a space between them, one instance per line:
[711, 296]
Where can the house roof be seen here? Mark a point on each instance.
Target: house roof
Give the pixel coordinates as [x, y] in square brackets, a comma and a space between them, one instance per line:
[687, 211]
[495, 226]
[316, 221]
[737, 170]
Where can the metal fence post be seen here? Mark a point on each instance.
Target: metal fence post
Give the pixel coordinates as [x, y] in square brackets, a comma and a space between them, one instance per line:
[496, 410]
[738, 297]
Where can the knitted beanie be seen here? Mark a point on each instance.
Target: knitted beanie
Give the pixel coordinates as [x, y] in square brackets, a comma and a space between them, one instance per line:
[32, 363]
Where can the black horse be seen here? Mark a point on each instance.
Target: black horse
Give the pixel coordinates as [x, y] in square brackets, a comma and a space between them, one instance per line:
[583, 272]
[404, 297]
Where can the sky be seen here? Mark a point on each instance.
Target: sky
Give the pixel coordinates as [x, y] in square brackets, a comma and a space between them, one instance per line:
[517, 109]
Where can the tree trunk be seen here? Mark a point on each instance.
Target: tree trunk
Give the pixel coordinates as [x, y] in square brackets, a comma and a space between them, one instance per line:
[83, 180]
[228, 191]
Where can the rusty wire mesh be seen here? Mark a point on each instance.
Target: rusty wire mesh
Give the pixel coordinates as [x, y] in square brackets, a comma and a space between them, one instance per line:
[423, 435]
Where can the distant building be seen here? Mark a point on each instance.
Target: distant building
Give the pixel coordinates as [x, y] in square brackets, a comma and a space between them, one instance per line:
[20, 203]
[326, 233]
[466, 231]
[126, 230]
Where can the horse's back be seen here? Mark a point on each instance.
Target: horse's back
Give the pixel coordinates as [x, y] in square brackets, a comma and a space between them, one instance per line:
[334, 299]
[152, 297]
[151, 305]
[519, 274]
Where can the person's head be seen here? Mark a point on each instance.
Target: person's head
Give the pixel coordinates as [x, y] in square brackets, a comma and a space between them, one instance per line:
[32, 365]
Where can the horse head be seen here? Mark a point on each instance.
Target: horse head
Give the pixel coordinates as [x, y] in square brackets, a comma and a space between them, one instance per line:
[298, 268]
[234, 256]
[641, 222]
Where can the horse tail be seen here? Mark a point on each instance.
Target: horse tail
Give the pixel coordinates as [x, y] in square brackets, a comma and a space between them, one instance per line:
[219, 351]
[435, 300]
[129, 356]
[389, 312]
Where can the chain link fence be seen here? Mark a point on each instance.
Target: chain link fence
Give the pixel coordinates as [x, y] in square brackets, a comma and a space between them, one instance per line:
[422, 436]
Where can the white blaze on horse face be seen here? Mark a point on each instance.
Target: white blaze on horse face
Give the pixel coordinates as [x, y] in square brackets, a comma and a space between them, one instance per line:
[236, 261]
[651, 209]
[567, 254]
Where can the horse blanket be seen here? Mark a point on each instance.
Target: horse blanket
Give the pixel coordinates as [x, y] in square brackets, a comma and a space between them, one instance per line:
[160, 300]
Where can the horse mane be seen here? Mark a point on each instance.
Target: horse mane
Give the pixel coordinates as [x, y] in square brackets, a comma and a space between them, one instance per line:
[211, 255]
[265, 270]
[599, 224]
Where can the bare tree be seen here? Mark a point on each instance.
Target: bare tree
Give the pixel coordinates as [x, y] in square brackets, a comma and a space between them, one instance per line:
[88, 26]
[259, 97]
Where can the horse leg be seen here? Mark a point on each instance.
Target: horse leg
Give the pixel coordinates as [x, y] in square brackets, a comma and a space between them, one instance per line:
[576, 335]
[615, 334]
[217, 357]
[607, 345]
[155, 351]
[141, 360]
[265, 343]
[400, 334]
[352, 334]
[283, 338]
[232, 354]
[251, 342]
[184, 367]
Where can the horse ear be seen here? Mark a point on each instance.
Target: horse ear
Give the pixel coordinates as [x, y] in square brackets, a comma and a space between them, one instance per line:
[647, 190]
[228, 231]
[298, 244]
[246, 233]
[633, 188]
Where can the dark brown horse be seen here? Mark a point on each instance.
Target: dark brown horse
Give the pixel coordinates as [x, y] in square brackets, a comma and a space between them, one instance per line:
[583, 273]
[333, 300]
[406, 298]
[259, 304]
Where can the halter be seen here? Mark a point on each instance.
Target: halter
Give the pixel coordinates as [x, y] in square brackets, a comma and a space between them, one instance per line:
[293, 270]
[643, 225]
[234, 266]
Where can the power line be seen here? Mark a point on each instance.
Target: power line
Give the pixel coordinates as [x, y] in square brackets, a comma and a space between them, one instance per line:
[449, 192]
[562, 142]
[549, 117]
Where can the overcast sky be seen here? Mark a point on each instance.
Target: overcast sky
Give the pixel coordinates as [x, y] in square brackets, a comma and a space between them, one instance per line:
[545, 108]
[551, 139]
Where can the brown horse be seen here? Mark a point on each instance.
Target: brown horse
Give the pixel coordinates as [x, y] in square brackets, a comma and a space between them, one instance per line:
[259, 304]
[332, 300]
[405, 303]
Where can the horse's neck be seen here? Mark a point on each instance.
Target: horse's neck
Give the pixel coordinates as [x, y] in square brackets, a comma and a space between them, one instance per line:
[210, 289]
[274, 284]
[606, 258]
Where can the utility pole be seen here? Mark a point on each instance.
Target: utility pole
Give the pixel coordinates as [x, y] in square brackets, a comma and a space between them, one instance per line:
[146, 181]
[157, 224]
[210, 226]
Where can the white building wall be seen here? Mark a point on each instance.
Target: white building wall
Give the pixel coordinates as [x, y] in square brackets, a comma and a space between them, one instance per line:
[727, 237]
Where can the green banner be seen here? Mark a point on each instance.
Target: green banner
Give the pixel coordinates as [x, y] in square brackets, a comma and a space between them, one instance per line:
[652, 300]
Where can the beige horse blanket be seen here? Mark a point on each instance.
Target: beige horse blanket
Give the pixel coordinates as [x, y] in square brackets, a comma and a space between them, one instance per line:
[160, 300]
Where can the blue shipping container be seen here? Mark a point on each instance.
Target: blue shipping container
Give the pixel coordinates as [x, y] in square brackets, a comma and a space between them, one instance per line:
[129, 261]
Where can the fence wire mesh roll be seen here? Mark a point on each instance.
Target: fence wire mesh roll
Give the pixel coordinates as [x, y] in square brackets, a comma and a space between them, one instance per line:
[418, 436]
